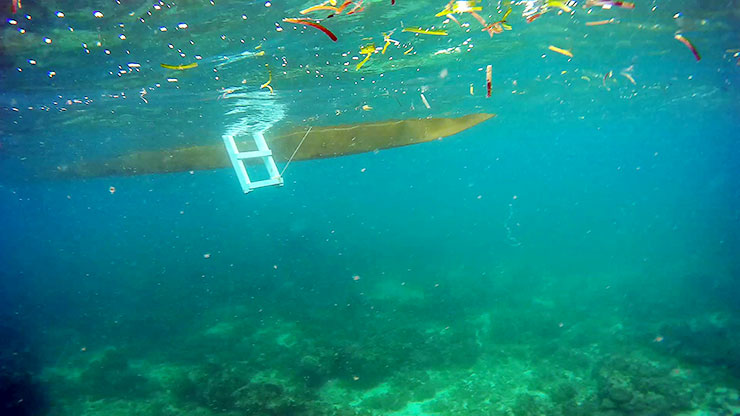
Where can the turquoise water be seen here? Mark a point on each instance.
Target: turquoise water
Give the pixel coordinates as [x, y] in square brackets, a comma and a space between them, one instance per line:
[575, 255]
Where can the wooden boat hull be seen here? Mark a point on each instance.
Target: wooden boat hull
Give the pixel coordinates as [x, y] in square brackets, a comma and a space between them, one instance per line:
[321, 142]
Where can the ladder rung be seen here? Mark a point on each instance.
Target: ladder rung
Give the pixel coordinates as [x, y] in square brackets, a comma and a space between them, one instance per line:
[266, 182]
[253, 154]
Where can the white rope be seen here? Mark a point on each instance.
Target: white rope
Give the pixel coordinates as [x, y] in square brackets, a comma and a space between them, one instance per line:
[296, 150]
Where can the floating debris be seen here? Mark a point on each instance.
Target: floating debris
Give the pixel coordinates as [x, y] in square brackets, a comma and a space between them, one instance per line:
[689, 45]
[269, 80]
[607, 76]
[560, 5]
[358, 8]
[323, 6]
[387, 39]
[561, 51]
[498, 27]
[489, 78]
[629, 77]
[424, 100]
[600, 22]
[608, 4]
[460, 7]
[180, 67]
[367, 50]
[425, 31]
[313, 24]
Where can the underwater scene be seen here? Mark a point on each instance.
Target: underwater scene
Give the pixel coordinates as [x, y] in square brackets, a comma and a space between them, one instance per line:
[369, 207]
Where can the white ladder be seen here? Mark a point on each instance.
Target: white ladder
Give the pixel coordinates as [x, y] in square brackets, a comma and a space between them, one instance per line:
[263, 152]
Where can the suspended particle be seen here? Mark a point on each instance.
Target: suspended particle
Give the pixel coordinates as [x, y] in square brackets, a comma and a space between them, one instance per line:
[60, 15]
[268, 4]
[51, 74]
[122, 36]
[47, 40]
[182, 25]
[98, 14]
[12, 22]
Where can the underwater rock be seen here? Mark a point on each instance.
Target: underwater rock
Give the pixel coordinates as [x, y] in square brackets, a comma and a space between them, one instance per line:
[563, 392]
[620, 394]
[241, 390]
[362, 370]
[111, 376]
[531, 405]
[389, 401]
[182, 387]
[705, 340]
[266, 399]
[216, 384]
[627, 386]
[314, 371]
[418, 383]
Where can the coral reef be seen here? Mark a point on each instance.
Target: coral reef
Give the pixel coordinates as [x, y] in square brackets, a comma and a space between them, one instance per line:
[633, 386]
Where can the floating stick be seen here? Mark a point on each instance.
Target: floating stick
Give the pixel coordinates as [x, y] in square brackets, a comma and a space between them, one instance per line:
[312, 24]
[561, 51]
[689, 45]
[489, 76]
[180, 67]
